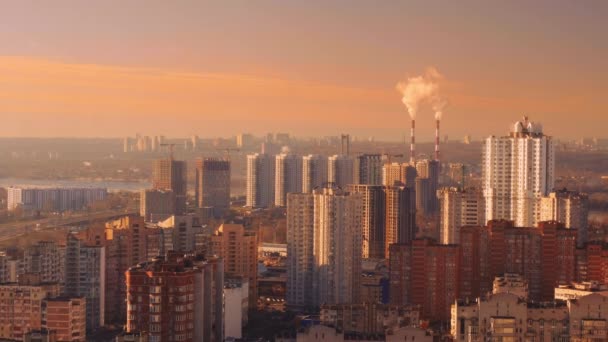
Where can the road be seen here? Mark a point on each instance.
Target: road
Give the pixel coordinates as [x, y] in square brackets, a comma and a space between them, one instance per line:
[12, 230]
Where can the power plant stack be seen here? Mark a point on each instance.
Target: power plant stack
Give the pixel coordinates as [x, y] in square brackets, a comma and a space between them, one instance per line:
[413, 144]
[437, 139]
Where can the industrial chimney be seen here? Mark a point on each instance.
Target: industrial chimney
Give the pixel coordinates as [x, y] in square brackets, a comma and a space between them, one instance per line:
[413, 143]
[437, 139]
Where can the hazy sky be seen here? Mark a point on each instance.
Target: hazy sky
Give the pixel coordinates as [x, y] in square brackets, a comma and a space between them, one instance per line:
[215, 68]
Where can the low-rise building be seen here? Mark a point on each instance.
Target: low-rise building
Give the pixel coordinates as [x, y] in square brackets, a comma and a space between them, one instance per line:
[578, 290]
[511, 283]
[369, 318]
[236, 306]
[21, 307]
[66, 317]
[506, 316]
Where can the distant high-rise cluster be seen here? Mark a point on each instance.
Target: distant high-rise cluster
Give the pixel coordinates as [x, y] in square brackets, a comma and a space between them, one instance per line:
[158, 143]
[374, 249]
[143, 143]
[267, 184]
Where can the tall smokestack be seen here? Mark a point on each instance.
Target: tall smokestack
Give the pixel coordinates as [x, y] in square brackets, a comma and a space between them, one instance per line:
[437, 139]
[413, 143]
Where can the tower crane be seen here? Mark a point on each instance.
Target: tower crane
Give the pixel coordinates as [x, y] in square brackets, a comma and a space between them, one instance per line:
[389, 156]
[228, 150]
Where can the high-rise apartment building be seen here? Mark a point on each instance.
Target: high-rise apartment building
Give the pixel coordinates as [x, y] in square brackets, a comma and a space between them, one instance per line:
[156, 204]
[300, 243]
[400, 174]
[213, 185]
[238, 248]
[260, 180]
[244, 140]
[337, 248]
[65, 317]
[373, 216]
[85, 272]
[314, 172]
[517, 171]
[176, 299]
[424, 196]
[391, 174]
[426, 274]
[184, 230]
[458, 208]
[125, 245]
[592, 263]
[389, 216]
[10, 267]
[544, 255]
[570, 208]
[368, 169]
[340, 170]
[21, 307]
[324, 252]
[169, 174]
[456, 174]
[288, 177]
[400, 217]
[126, 145]
[429, 170]
[47, 260]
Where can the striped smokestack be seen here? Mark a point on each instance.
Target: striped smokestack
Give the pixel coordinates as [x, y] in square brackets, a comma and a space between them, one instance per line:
[413, 143]
[437, 139]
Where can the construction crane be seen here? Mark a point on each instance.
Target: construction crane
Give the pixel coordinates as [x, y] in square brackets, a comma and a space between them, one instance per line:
[171, 147]
[227, 150]
[389, 156]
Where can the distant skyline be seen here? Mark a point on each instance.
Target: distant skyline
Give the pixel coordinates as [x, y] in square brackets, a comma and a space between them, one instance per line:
[114, 68]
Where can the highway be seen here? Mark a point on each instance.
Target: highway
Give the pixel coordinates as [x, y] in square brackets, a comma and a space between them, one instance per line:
[15, 229]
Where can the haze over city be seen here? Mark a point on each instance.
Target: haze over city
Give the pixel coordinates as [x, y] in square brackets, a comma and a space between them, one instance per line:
[105, 69]
[303, 171]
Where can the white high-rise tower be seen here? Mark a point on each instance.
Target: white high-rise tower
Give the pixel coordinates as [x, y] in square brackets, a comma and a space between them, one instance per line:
[517, 171]
[260, 180]
[288, 177]
[314, 172]
[340, 170]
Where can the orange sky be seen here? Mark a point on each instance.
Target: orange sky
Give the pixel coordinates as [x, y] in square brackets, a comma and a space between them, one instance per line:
[215, 69]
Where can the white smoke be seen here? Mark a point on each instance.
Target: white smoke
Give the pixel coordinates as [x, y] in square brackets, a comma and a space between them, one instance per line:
[438, 104]
[419, 89]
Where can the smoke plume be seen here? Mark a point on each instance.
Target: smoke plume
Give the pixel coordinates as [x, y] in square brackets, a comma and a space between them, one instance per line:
[438, 104]
[423, 88]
